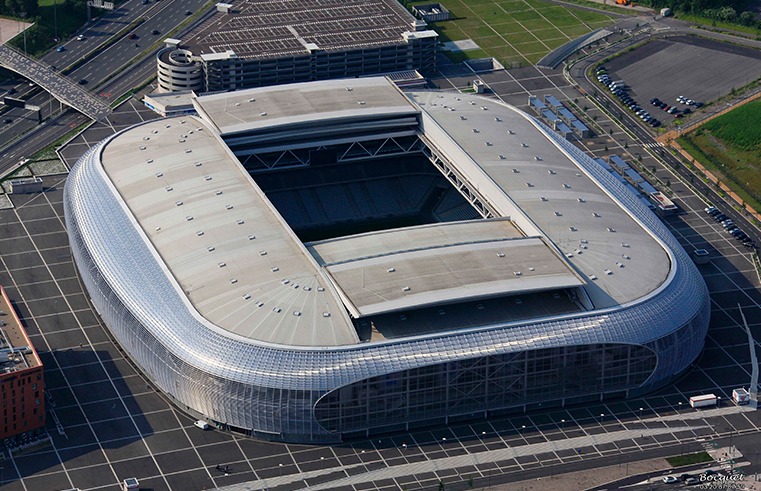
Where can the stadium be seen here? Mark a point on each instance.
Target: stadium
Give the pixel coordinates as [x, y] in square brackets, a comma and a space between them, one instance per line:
[324, 260]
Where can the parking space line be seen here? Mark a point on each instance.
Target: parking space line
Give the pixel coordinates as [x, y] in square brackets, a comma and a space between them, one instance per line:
[65, 378]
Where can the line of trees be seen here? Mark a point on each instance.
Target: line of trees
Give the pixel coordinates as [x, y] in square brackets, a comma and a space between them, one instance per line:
[733, 11]
[19, 8]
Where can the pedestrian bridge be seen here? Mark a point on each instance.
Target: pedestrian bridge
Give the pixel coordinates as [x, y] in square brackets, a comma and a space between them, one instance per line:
[59, 86]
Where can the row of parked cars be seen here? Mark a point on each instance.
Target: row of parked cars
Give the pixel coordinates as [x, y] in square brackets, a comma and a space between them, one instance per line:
[691, 479]
[618, 89]
[730, 226]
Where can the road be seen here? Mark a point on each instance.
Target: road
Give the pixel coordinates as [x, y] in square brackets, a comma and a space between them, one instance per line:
[23, 137]
[632, 124]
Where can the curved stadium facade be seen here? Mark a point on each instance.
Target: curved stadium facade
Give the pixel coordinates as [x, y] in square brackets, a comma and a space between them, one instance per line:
[331, 259]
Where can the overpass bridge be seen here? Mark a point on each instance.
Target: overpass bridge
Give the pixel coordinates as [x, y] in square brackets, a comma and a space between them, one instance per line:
[60, 87]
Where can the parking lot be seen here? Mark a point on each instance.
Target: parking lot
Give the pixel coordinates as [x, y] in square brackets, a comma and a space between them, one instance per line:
[115, 425]
[697, 68]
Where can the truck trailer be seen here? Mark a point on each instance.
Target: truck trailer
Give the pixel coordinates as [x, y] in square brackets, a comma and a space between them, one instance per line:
[703, 401]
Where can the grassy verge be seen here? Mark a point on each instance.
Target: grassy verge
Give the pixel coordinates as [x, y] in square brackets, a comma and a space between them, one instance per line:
[730, 147]
[692, 458]
[707, 23]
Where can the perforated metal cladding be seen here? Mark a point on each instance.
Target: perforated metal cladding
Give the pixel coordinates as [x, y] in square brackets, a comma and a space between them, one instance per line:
[273, 389]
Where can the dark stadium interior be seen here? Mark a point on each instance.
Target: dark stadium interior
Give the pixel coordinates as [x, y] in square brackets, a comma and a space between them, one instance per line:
[337, 199]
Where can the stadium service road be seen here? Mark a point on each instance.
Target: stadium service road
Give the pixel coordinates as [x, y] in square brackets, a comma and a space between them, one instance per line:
[116, 425]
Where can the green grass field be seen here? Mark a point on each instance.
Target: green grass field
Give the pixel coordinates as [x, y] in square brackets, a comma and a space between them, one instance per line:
[515, 32]
[731, 146]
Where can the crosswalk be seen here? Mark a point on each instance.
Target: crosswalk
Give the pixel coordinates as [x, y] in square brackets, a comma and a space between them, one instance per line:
[653, 145]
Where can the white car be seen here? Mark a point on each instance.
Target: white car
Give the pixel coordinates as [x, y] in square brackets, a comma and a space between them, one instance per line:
[670, 479]
[80, 38]
[201, 424]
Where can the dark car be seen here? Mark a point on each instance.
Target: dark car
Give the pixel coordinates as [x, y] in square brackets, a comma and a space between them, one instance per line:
[82, 81]
[698, 105]
[132, 36]
[188, 12]
[7, 121]
[687, 110]
[684, 477]
[155, 31]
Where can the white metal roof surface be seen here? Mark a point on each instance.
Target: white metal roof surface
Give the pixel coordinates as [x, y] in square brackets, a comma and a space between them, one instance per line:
[269, 107]
[441, 263]
[228, 249]
[533, 181]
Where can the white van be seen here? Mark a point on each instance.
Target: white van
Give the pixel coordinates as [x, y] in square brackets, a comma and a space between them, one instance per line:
[202, 424]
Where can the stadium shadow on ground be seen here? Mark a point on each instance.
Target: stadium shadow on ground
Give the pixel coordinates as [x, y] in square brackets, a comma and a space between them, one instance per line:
[100, 404]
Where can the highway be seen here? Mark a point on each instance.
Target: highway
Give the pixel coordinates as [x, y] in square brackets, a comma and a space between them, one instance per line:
[22, 137]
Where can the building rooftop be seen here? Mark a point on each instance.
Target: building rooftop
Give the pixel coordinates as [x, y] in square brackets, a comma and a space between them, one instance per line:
[302, 104]
[279, 28]
[231, 253]
[595, 232]
[16, 350]
[436, 264]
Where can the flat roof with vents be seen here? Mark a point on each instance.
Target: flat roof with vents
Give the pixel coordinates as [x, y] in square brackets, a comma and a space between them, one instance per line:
[525, 173]
[437, 264]
[231, 253]
[302, 104]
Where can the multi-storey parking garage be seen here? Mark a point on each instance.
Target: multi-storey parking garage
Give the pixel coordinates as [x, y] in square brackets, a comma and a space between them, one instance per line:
[254, 44]
[328, 259]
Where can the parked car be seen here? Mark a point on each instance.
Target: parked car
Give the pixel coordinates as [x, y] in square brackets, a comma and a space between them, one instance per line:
[670, 479]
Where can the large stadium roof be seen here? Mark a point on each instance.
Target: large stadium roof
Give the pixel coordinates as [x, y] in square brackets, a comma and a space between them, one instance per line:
[277, 28]
[244, 270]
